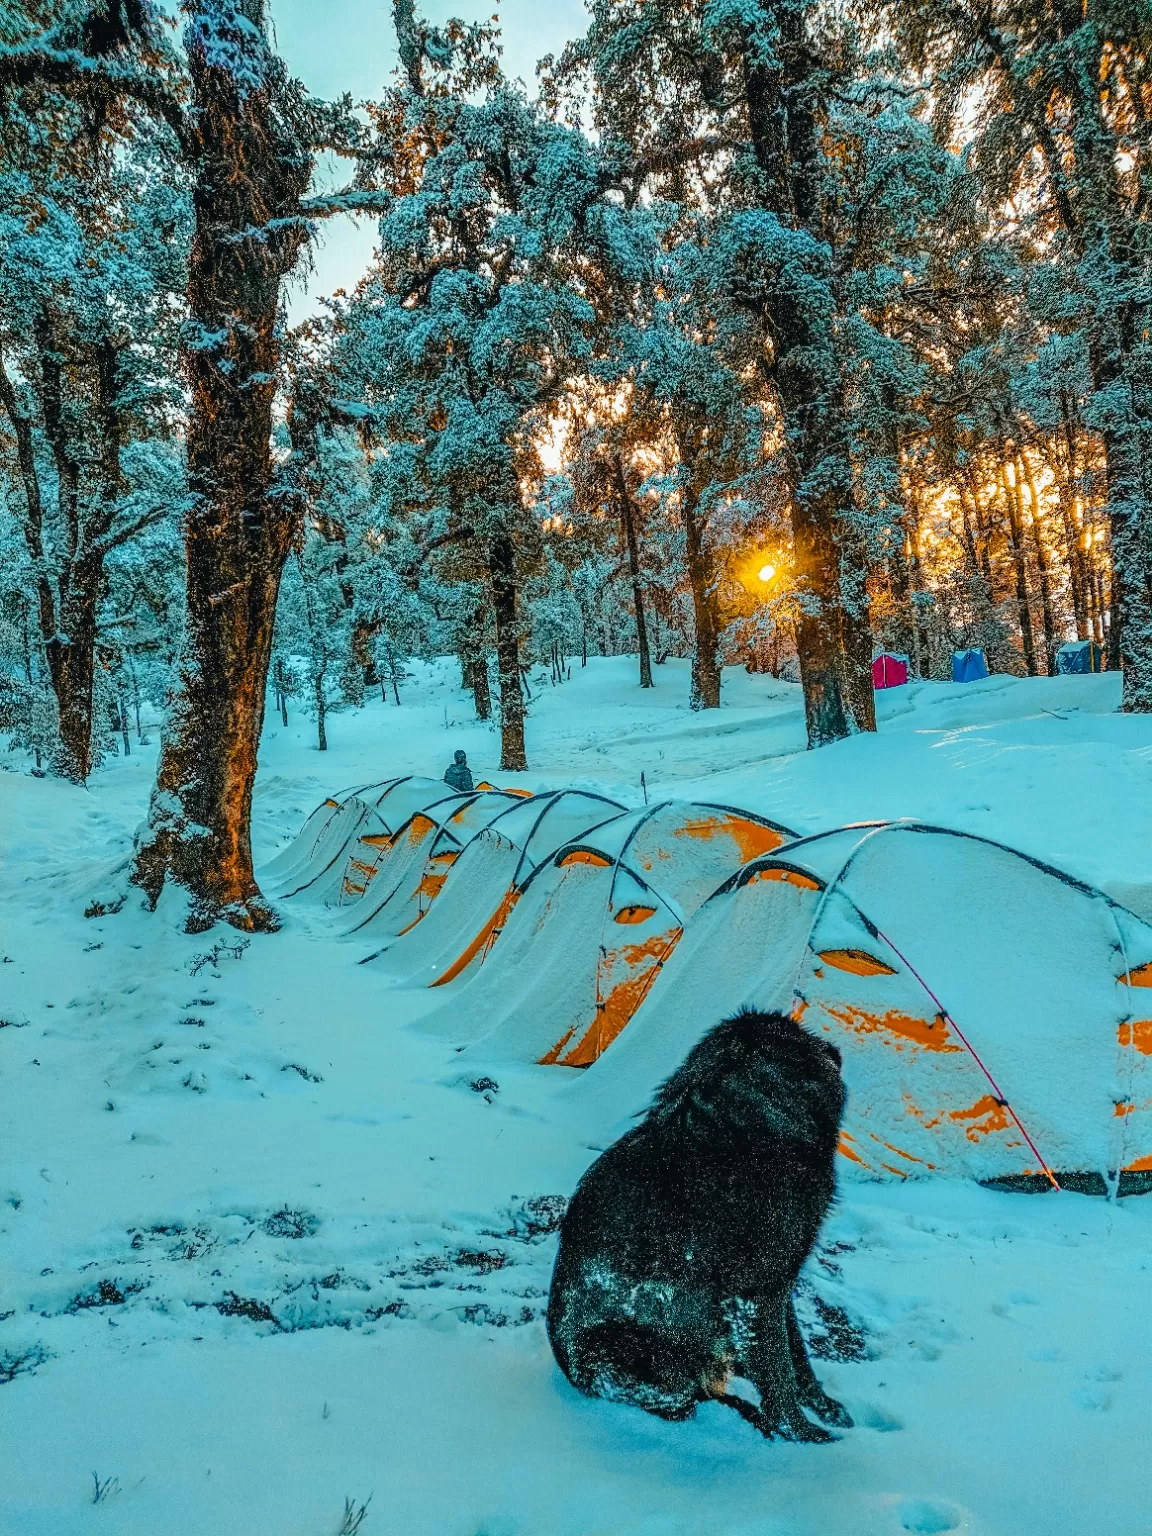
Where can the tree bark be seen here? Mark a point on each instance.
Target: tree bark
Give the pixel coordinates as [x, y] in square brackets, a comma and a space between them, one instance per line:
[628, 521]
[321, 710]
[251, 174]
[502, 568]
[826, 710]
[72, 668]
[481, 688]
[1024, 468]
[1019, 562]
[474, 661]
[1079, 581]
[705, 686]
[1130, 526]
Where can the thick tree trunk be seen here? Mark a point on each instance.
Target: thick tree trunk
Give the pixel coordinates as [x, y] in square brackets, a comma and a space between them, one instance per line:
[250, 177]
[826, 709]
[705, 688]
[502, 568]
[71, 666]
[628, 521]
[1130, 520]
[783, 120]
[856, 630]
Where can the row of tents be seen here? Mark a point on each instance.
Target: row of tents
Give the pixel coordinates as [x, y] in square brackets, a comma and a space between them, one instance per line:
[890, 668]
[994, 1014]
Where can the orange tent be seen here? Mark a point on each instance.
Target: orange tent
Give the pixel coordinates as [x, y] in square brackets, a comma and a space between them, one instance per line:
[991, 1011]
[593, 926]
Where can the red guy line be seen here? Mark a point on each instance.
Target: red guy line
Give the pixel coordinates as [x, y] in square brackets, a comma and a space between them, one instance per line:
[944, 1014]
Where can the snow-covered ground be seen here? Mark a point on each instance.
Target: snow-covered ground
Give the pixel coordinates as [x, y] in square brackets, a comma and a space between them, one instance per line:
[263, 1250]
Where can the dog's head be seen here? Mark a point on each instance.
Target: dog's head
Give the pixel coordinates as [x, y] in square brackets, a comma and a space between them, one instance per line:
[760, 1072]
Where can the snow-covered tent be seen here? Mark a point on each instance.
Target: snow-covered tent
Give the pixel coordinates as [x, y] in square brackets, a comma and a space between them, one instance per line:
[1080, 656]
[407, 870]
[889, 669]
[969, 666]
[592, 927]
[484, 884]
[994, 1015]
[315, 861]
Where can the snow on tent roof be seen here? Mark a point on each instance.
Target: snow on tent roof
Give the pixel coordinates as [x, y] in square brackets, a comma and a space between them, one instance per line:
[407, 869]
[484, 884]
[593, 926]
[314, 861]
[987, 1007]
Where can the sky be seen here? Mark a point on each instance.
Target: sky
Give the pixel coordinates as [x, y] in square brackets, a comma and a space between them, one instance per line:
[348, 45]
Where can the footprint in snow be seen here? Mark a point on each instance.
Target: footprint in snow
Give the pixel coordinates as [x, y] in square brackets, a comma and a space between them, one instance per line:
[929, 1516]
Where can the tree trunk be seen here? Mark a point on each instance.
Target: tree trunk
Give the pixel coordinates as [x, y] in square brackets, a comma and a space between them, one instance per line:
[251, 174]
[122, 707]
[1130, 520]
[1067, 484]
[856, 629]
[481, 688]
[705, 692]
[393, 672]
[628, 520]
[321, 710]
[784, 108]
[826, 708]
[1024, 468]
[72, 667]
[1016, 542]
[502, 567]
[67, 631]
[474, 661]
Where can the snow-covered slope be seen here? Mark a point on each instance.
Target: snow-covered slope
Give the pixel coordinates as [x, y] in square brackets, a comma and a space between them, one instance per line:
[264, 1248]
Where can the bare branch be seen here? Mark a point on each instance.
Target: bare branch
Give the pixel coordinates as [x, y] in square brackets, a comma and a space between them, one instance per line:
[96, 79]
[117, 536]
[457, 536]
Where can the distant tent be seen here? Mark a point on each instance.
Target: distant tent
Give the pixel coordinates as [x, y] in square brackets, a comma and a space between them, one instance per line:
[407, 869]
[889, 670]
[968, 666]
[987, 1007]
[592, 928]
[1080, 656]
[315, 861]
[485, 883]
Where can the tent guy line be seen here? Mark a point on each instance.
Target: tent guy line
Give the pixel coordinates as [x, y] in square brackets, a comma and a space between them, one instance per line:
[947, 1018]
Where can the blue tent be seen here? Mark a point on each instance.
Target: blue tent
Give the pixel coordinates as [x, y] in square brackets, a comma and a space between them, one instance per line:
[1080, 656]
[968, 666]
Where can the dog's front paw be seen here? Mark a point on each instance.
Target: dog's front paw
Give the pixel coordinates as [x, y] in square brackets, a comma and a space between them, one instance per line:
[805, 1431]
[828, 1410]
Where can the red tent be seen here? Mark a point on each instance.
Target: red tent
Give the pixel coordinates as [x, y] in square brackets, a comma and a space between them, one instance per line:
[889, 670]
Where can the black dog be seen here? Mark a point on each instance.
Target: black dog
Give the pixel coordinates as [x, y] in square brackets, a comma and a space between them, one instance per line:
[683, 1242]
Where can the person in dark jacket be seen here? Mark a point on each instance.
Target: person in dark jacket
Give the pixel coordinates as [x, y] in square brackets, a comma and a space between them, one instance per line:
[459, 775]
